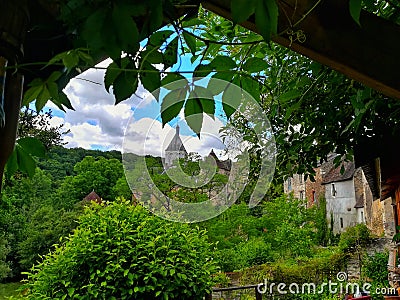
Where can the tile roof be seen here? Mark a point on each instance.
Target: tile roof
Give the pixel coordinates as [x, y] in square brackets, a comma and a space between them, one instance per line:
[334, 174]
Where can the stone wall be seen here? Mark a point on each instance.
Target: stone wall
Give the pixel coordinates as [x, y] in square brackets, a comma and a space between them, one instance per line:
[315, 190]
[376, 245]
[295, 185]
[375, 219]
[389, 225]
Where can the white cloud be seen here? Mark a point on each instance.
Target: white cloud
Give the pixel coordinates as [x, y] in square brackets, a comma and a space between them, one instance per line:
[96, 120]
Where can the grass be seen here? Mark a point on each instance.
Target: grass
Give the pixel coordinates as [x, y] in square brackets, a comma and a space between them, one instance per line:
[9, 289]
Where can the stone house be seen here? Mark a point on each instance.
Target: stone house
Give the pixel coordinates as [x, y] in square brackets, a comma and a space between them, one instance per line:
[349, 198]
[344, 198]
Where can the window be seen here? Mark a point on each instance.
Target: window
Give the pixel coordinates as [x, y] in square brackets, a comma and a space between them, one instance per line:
[289, 184]
[341, 222]
[313, 197]
[300, 178]
[301, 195]
[333, 190]
[362, 217]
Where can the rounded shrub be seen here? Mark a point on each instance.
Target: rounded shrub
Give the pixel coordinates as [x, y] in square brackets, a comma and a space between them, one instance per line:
[121, 251]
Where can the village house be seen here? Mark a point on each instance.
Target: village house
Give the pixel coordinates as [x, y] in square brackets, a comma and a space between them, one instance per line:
[349, 198]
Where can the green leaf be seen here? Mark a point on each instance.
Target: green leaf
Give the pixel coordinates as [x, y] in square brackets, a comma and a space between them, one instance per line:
[171, 77]
[32, 146]
[263, 20]
[190, 42]
[216, 86]
[355, 10]
[208, 106]
[255, 65]
[223, 63]
[125, 85]
[53, 90]
[70, 60]
[156, 15]
[158, 38]
[205, 97]
[12, 164]
[85, 57]
[54, 76]
[250, 85]
[25, 161]
[92, 28]
[202, 70]
[126, 29]
[42, 98]
[71, 291]
[152, 55]
[112, 72]
[150, 80]
[242, 10]
[172, 104]
[63, 100]
[194, 114]
[272, 7]
[171, 53]
[292, 109]
[109, 41]
[289, 95]
[31, 94]
[230, 99]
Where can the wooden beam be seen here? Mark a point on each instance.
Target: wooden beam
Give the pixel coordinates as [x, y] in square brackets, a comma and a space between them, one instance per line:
[369, 53]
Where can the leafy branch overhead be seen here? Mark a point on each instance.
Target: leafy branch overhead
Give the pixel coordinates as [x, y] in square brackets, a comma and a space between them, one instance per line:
[115, 30]
[302, 99]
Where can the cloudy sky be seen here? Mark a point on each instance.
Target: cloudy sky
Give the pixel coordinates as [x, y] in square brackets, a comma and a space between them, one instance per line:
[97, 123]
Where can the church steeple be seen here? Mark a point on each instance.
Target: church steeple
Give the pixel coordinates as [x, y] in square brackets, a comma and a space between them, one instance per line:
[176, 143]
[175, 149]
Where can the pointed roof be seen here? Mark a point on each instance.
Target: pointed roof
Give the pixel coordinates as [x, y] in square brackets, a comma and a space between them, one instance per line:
[221, 164]
[176, 143]
[92, 196]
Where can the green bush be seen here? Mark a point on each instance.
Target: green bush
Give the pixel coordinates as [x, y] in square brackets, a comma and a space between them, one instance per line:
[317, 269]
[123, 252]
[354, 237]
[45, 229]
[252, 252]
[4, 265]
[375, 268]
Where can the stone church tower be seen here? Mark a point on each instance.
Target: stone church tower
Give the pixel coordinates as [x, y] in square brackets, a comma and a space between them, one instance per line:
[175, 150]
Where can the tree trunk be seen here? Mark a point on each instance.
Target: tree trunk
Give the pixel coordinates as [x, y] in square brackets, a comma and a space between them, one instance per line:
[12, 105]
[14, 20]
